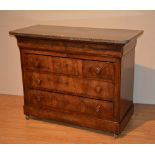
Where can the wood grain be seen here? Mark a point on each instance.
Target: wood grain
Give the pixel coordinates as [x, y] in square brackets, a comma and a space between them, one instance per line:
[70, 104]
[14, 128]
[52, 64]
[70, 47]
[70, 85]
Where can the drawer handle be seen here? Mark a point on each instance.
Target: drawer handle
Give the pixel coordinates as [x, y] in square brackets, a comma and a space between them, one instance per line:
[38, 81]
[98, 70]
[98, 89]
[98, 108]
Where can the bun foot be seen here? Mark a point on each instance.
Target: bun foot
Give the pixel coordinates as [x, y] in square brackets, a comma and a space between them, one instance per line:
[27, 117]
[116, 135]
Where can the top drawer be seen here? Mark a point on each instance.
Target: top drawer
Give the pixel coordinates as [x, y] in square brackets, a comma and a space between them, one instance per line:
[52, 64]
[69, 66]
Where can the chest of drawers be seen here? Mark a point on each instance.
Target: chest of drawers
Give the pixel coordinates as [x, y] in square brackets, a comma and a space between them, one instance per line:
[82, 76]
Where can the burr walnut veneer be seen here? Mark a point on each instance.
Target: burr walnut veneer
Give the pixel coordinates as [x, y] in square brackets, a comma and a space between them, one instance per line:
[78, 75]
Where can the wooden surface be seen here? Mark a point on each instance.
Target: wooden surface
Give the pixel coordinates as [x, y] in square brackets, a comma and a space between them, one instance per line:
[89, 79]
[79, 33]
[14, 128]
[67, 103]
[85, 79]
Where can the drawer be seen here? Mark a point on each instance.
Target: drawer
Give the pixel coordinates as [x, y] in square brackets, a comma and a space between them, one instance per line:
[96, 69]
[68, 103]
[52, 64]
[73, 85]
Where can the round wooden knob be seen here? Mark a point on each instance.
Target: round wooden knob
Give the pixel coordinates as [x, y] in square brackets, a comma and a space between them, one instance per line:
[98, 89]
[98, 108]
[38, 81]
[98, 70]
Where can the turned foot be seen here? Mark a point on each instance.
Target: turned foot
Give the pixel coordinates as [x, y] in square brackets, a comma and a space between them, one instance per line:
[27, 117]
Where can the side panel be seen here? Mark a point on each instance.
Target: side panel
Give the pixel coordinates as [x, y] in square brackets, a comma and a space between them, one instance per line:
[127, 79]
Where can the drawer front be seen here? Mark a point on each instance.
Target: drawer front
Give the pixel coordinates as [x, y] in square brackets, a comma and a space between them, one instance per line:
[96, 69]
[74, 85]
[68, 103]
[52, 64]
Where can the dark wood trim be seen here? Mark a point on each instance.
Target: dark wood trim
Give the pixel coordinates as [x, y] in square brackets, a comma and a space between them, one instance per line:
[71, 47]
